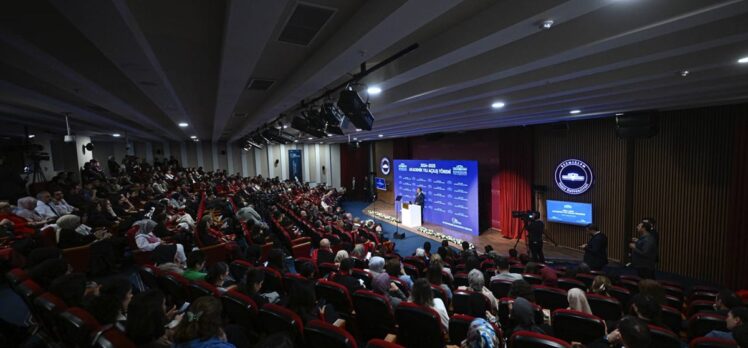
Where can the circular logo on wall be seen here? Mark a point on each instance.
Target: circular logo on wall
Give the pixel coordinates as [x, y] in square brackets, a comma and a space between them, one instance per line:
[384, 166]
[573, 176]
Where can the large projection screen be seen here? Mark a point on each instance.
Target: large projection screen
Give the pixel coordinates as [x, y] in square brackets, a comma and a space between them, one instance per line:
[451, 189]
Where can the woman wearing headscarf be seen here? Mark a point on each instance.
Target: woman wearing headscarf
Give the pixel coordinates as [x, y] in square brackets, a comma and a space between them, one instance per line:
[70, 235]
[382, 284]
[523, 314]
[164, 252]
[106, 251]
[578, 301]
[26, 209]
[376, 265]
[480, 335]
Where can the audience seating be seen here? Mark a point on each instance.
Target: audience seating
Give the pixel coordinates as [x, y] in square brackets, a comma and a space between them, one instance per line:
[702, 323]
[533, 279]
[517, 268]
[622, 294]
[701, 296]
[337, 295]
[273, 280]
[671, 318]
[380, 343]
[364, 275]
[698, 306]
[373, 314]
[663, 338]
[291, 280]
[471, 303]
[326, 268]
[576, 326]
[412, 318]
[503, 313]
[15, 277]
[550, 298]
[570, 283]
[587, 279]
[675, 302]
[140, 257]
[607, 308]
[319, 334]
[440, 294]
[459, 324]
[202, 288]
[240, 309]
[29, 290]
[149, 275]
[274, 318]
[528, 339]
[411, 270]
[500, 288]
[79, 258]
[175, 287]
[631, 285]
[239, 268]
[77, 327]
[112, 338]
[48, 307]
[460, 279]
[710, 342]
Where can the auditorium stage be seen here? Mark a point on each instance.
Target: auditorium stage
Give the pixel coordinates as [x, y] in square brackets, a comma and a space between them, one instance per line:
[488, 237]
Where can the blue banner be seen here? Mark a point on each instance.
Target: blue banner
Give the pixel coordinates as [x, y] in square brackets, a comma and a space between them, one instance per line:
[450, 189]
[294, 165]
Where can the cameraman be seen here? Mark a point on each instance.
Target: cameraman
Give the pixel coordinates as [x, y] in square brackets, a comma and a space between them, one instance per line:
[535, 230]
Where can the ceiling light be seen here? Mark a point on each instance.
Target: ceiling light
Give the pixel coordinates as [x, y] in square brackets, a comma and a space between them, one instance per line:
[329, 134]
[310, 138]
[373, 90]
[358, 129]
[321, 142]
[184, 124]
[193, 137]
[498, 105]
[546, 24]
[684, 73]
[285, 126]
[574, 112]
[31, 136]
[381, 135]
[743, 60]
[116, 135]
[296, 140]
[355, 138]
[619, 114]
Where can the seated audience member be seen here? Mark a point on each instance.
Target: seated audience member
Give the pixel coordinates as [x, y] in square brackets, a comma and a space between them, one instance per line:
[340, 256]
[522, 289]
[41, 254]
[323, 254]
[376, 265]
[195, 266]
[549, 276]
[147, 241]
[646, 308]
[44, 206]
[601, 285]
[252, 284]
[632, 332]
[26, 209]
[476, 283]
[426, 250]
[60, 205]
[207, 234]
[434, 275]
[47, 271]
[100, 216]
[654, 289]
[422, 295]
[437, 258]
[218, 275]
[578, 301]
[74, 290]
[395, 269]
[523, 314]
[481, 335]
[73, 234]
[147, 319]
[110, 307]
[502, 266]
[201, 326]
[382, 284]
[19, 226]
[421, 253]
[302, 301]
[740, 335]
[725, 300]
[513, 258]
[343, 276]
[736, 317]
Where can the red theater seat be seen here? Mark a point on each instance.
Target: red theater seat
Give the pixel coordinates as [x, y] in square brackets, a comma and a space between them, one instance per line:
[319, 334]
[149, 275]
[605, 307]
[471, 303]
[528, 339]
[175, 287]
[500, 288]
[112, 338]
[533, 279]
[240, 309]
[575, 326]
[709, 342]
[201, 288]
[273, 280]
[373, 314]
[380, 343]
[663, 338]
[274, 318]
[335, 294]
[418, 326]
[702, 323]
[77, 327]
[570, 283]
[672, 318]
[549, 297]
[622, 294]
[47, 308]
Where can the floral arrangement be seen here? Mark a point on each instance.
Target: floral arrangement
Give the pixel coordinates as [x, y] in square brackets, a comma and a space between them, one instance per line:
[427, 231]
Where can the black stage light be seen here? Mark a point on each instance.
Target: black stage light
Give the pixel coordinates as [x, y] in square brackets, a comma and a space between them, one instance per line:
[302, 124]
[355, 109]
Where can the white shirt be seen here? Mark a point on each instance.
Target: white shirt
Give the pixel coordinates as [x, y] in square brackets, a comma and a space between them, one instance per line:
[45, 210]
[62, 207]
[442, 310]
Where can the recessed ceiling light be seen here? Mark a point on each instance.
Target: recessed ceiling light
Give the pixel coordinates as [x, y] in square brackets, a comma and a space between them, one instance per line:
[743, 60]
[358, 129]
[116, 135]
[31, 136]
[684, 73]
[546, 24]
[574, 112]
[310, 138]
[321, 142]
[193, 136]
[355, 138]
[381, 135]
[285, 126]
[296, 140]
[329, 134]
[498, 105]
[184, 124]
[373, 90]
[619, 114]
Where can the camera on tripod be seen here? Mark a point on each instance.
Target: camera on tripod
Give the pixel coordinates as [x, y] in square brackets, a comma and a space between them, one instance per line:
[525, 215]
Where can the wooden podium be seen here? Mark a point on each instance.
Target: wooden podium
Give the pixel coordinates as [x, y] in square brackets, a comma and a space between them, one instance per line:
[411, 214]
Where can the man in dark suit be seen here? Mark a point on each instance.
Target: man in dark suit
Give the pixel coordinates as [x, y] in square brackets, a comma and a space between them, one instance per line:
[535, 230]
[644, 251]
[596, 250]
[420, 198]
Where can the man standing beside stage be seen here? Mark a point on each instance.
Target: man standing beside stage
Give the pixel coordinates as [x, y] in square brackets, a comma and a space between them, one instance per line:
[644, 251]
[420, 198]
[535, 230]
[596, 250]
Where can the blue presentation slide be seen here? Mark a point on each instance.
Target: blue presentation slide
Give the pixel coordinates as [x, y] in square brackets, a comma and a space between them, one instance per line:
[450, 188]
[380, 183]
[569, 212]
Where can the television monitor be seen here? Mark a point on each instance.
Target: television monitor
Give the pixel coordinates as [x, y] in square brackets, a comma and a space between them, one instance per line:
[381, 184]
[572, 213]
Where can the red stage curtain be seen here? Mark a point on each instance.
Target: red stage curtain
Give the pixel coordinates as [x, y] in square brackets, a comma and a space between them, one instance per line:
[514, 177]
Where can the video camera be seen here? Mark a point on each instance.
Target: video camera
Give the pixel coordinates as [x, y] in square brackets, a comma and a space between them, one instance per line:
[525, 215]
